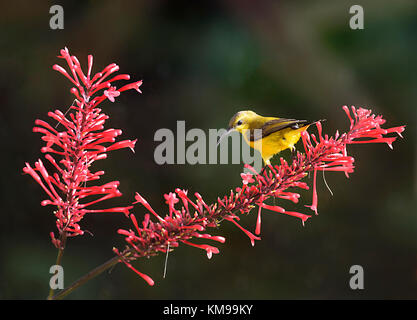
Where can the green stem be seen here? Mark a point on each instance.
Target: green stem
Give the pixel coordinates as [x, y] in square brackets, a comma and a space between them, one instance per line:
[61, 249]
[92, 274]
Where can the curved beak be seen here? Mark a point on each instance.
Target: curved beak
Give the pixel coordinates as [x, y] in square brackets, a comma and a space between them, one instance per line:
[229, 131]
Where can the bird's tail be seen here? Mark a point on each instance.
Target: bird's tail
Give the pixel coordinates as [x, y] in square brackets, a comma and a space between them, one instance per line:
[304, 124]
[314, 122]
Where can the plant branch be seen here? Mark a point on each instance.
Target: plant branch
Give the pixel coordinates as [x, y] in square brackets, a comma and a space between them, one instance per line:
[90, 275]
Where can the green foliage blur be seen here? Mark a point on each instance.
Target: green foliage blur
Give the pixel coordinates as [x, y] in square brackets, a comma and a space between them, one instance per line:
[201, 62]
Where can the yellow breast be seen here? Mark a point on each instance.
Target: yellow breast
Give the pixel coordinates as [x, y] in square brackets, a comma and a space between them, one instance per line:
[276, 142]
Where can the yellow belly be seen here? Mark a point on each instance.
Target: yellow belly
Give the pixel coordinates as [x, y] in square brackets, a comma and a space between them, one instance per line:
[276, 142]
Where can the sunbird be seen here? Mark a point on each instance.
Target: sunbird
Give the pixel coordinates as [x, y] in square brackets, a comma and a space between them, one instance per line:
[273, 135]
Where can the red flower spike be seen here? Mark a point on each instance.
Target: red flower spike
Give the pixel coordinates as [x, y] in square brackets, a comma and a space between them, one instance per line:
[74, 144]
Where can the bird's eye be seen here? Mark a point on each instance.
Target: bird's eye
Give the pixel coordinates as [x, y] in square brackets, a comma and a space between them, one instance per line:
[239, 122]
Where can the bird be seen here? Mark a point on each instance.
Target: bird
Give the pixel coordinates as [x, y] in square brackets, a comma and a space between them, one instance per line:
[268, 135]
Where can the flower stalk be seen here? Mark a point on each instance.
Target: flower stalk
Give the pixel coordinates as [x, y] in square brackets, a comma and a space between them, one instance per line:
[74, 144]
[87, 277]
[72, 151]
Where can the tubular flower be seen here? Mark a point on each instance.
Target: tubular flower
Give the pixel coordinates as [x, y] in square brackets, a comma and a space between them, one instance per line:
[191, 219]
[74, 142]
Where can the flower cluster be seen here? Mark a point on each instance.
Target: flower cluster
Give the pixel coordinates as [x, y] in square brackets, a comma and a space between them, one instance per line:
[190, 219]
[76, 141]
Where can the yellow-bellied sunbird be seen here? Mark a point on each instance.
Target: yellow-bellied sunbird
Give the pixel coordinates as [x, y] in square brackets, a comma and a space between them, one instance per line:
[273, 135]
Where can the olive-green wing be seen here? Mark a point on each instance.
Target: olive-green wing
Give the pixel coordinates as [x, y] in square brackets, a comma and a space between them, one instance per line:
[277, 125]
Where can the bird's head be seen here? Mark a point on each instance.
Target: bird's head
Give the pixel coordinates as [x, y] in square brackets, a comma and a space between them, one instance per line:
[242, 120]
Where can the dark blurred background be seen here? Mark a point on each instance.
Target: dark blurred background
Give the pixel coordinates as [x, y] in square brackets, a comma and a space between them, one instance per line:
[201, 62]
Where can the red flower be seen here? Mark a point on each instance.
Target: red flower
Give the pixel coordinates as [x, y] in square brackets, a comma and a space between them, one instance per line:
[323, 153]
[247, 178]
[111, 93]
[76, 143]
